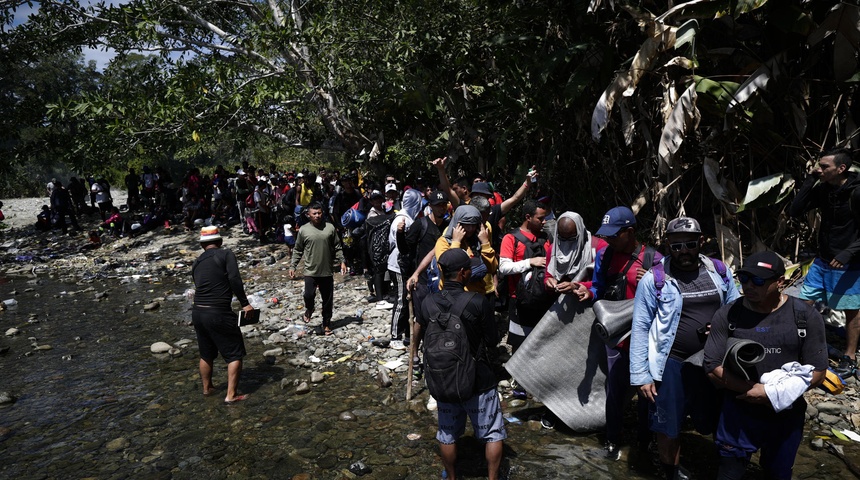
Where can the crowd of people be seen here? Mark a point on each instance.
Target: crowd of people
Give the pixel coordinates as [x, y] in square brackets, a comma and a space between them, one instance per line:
[441, 252]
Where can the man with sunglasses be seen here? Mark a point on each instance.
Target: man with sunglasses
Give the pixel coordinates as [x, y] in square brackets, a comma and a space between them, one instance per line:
[758, 414]
[674, 304]
[834, 277]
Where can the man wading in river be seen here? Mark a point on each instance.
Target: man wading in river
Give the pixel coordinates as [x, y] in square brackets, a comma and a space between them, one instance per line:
[216, 280]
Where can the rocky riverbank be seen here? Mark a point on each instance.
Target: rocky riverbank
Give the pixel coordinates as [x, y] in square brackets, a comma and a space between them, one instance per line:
[158, 263]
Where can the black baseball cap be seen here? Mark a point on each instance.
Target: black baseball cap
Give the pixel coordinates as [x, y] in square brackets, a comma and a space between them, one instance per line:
[437, 197]
[481, 188]
[455, 259]
[766, 265]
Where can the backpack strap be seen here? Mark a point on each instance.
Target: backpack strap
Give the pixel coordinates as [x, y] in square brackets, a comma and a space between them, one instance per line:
[659, 273]
[648, 257]
[800, 323]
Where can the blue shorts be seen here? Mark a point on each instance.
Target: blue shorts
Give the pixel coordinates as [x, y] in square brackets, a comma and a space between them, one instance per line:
[483, 409]
[684, 390]
[839, 289]
[745, 428]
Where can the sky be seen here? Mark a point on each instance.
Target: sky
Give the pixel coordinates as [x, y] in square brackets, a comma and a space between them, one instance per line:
[101, 56]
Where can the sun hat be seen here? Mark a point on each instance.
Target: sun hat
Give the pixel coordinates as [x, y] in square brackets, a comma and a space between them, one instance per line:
[209, 234]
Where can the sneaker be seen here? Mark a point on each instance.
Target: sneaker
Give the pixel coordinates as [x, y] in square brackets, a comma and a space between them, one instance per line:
[612, 451]
[846, 367]
[397, 345]
[383, 305]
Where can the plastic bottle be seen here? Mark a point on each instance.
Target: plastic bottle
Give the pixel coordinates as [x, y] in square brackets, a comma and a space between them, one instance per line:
[256, 301]
[10, 302]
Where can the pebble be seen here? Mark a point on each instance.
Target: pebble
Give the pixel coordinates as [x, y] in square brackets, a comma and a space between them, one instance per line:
[12, 332]
[43, 347]
[382, 378]
[6, 398]
[817, 443]
[117, 444]
[828, 419]
[303, 388]
[160, 347]
[151, 306]
[832, 408]
[347, 416]
[275, 352]
[317, 377]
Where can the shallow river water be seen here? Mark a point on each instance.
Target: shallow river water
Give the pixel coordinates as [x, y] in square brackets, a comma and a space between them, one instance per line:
[99, 405]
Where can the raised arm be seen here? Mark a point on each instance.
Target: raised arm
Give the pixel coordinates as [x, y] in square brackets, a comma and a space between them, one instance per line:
[508, 204]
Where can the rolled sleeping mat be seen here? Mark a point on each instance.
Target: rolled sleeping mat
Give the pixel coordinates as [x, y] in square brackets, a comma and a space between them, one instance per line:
[742, 355]
[613, 320]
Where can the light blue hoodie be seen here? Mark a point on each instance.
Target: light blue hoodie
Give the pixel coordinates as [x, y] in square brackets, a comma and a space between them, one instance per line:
[410, 208]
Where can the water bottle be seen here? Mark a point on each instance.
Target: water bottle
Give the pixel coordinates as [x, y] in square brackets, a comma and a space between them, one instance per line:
[359, 313]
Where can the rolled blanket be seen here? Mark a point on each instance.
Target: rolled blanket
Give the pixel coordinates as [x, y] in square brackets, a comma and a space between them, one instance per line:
[741, 356]
[613, 320]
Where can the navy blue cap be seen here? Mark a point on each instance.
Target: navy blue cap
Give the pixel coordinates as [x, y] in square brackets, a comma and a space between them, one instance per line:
[616, 219]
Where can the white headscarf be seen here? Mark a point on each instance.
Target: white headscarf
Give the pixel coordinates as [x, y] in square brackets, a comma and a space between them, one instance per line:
[572, 257]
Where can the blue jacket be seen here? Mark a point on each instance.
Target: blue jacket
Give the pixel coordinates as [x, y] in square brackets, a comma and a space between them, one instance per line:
[655, 320]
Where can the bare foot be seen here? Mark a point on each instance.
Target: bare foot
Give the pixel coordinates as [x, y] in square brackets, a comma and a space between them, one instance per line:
[236, 399]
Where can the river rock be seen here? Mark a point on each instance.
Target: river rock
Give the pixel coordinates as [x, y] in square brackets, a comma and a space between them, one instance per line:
[382, 378]
[101, 295]
[6, 398]
[833, 408]
[151, 306]
[317, 377]
[347, 416]
[184, 342]
[160, 347]
[828, 419]
[817, 443]
[117, 444]
[43, 347]
[277, 338]
[175, 352]
[274, 352]
[303, 388]
[12, 332]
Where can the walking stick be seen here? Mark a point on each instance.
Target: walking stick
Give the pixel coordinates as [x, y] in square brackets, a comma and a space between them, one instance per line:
[411, 353]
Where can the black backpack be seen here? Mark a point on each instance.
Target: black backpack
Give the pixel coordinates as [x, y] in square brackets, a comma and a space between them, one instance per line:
[531, 292]
[449, 364]
[616, 288]
[377, 242]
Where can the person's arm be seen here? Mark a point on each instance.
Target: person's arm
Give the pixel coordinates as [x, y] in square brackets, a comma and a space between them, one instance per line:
[853, 249]
[337, 250]
[644, 312]
[508, 204]
[444, 182]
[803, 199]
[235, 279]
[488, 254]
[425, 263]
[298, 250]
[507, 264]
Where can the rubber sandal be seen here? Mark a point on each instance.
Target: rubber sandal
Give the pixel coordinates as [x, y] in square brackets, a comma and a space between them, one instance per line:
[327, 331]
[236, 399]
[306, 319]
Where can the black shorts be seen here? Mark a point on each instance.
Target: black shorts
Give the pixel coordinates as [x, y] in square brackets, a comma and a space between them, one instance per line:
[218, 332]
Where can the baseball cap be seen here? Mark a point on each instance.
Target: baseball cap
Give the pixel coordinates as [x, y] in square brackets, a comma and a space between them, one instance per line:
[766, 265]
[390, 188]
[209, 234]
[300, 175]
[437, 197]
[376, 194]
[455, 259]
[683, 225]
[481, 188]
[616, 219]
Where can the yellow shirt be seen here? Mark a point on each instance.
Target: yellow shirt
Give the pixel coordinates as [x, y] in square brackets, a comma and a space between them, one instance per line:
[488, 256]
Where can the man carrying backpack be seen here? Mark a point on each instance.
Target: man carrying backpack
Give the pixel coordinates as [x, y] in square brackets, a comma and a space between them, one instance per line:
[459, 333]
[617, 270]
[764, 409]
[522, 260]
[674, 304]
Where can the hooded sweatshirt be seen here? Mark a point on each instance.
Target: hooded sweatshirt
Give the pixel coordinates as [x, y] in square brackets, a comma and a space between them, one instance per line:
[410, 208]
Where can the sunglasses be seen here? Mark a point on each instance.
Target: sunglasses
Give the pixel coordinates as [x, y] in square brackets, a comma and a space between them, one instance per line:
[757, 281]
[691, 245]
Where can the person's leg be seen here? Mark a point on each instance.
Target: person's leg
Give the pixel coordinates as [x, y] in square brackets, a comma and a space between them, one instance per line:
[493, 454]
[309, 294]
[206, 376]
[448, 452]
[326, 286]
[852, 332]
[780, 448]
[616, 388]
[400, 312]
[234, 369]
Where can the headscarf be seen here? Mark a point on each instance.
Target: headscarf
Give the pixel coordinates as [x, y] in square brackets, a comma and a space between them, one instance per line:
[411, 203]
[465, 214]
[571, 257]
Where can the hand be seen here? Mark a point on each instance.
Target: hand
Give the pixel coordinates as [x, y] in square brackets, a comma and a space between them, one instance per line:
[484, 234]
[581, 291]
[565, 287]
[756, 395]
[439, 163]
[401, 226]
[649, 391]
[836, 264]
[458, 234]
[411, 283]
[248, 308]
[551, 283]
[292, 273]
[533, 174]
[639, 273]
[537, 261]
[344, 269]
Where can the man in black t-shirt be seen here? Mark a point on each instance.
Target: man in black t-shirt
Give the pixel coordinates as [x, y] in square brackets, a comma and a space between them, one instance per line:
[757, 413]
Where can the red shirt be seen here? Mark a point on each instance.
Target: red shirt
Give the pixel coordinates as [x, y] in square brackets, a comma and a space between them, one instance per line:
[508, 250]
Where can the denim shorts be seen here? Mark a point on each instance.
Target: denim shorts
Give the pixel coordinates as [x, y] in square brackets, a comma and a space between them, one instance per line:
[483, 409]
[684, 390]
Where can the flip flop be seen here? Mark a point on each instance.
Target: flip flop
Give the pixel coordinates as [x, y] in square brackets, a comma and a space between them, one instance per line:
[306, 319]
[327, 331]
[236, 399]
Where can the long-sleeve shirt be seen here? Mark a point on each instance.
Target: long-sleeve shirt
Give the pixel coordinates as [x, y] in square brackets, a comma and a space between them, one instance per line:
[488, 255]
[217, 280]
[839, 234]
[321, 248]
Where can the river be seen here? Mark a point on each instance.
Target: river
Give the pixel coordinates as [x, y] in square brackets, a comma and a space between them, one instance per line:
[99, 405]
